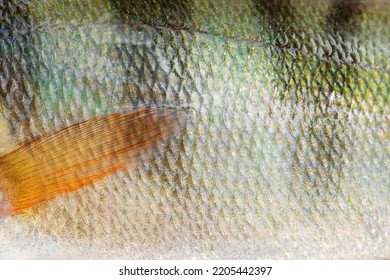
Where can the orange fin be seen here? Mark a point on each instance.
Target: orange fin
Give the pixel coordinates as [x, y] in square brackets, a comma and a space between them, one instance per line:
[82, 154]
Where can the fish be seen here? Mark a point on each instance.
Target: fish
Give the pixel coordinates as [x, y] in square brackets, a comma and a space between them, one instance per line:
[81, 154]
[284, 156]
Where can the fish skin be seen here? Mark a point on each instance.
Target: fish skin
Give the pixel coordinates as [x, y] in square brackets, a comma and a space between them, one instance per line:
[287, 155]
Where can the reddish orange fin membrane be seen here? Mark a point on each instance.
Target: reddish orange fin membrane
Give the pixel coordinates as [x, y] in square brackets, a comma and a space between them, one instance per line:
[82, 154]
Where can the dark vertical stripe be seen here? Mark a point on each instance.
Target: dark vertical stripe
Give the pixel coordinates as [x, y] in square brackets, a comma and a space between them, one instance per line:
[15, 30]
[157, 12]
[344, 15]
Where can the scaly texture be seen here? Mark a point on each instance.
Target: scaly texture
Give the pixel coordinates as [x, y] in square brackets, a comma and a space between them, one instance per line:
[286, 154]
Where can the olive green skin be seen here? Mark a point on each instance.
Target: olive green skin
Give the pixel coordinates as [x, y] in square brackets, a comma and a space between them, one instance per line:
[287, 150]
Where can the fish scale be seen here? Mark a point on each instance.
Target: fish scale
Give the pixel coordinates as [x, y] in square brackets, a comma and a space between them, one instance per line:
[246, 70]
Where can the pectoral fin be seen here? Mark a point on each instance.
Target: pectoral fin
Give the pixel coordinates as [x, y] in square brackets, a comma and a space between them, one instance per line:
[82, 154]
